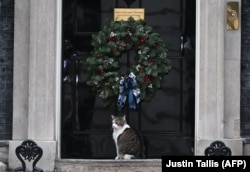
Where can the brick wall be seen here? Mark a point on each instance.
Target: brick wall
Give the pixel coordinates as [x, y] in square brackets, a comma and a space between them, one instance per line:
[6, 67]
[245, 69]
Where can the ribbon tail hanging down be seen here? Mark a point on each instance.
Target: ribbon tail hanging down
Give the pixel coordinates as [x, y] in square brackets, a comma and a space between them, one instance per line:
[131, 100]
[128, 90]
[122, 95]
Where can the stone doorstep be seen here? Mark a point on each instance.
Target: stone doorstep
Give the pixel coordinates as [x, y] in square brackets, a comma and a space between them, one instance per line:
[72, 165]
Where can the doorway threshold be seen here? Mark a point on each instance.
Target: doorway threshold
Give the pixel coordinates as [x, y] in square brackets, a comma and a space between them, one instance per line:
[108, 165]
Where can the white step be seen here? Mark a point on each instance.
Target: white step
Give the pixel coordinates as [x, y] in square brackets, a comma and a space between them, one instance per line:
[70, 165]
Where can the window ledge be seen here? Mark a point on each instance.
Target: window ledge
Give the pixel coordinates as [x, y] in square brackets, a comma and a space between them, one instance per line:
[246, 140]
[4, 143]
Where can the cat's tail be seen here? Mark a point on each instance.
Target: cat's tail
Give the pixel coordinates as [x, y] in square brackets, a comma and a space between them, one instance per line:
[142, 155]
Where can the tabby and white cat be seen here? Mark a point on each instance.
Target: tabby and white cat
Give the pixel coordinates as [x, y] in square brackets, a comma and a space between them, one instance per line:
[128, 141]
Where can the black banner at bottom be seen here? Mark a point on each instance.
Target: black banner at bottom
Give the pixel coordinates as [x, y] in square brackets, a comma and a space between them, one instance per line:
[215, 163]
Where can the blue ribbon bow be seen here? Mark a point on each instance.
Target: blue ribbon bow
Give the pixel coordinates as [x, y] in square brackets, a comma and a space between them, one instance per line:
[128, 90]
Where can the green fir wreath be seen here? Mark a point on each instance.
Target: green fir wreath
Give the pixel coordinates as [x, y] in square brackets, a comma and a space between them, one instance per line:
[116, 38]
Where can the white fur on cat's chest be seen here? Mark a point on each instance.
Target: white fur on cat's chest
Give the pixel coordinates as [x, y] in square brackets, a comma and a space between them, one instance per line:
[117, 132]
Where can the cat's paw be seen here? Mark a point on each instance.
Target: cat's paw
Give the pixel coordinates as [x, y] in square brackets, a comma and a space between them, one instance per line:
[116, 158]
[127, 156]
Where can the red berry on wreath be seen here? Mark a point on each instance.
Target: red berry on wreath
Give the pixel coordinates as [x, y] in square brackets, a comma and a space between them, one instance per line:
[152, 62]
[102, 72]
[147, 78]
[112, 38]
[142, 40]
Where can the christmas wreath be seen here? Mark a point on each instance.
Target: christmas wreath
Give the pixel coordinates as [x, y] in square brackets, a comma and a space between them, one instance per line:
[143, 78]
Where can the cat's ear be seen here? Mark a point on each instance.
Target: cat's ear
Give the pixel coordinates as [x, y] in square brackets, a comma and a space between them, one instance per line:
[124, 117]
[112, 116]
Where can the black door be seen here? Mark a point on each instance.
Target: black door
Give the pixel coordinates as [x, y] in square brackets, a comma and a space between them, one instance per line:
[167, 121]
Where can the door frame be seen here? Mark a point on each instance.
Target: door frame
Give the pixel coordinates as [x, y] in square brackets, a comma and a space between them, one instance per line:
[204, 81]
[59, 19]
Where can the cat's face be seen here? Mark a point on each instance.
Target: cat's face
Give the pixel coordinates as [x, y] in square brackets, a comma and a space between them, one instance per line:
[118, 122]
